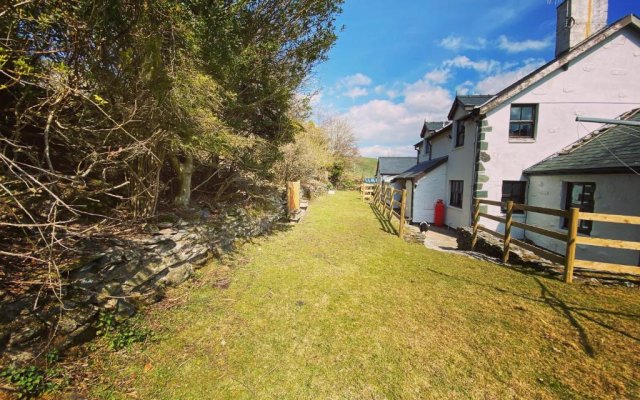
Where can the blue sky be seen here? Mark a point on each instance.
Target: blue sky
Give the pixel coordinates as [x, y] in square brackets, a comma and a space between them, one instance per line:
[397, 63]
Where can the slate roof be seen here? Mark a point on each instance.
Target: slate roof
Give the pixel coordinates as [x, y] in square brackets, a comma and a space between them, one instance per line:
[446, 128]
[429, 129]
[610, 149]
[394, 165]
[420, 169]
[469, 102]
[474, 100]
[431, 126]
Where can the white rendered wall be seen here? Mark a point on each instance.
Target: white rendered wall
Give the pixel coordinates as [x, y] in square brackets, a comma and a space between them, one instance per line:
[601, 84]
[408, 185]
[440, 146]
[423, 153]
[615, 194]
[460, 167]
[427, 191]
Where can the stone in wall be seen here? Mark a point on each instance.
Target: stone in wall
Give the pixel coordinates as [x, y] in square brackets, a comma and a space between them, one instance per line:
[120, 275]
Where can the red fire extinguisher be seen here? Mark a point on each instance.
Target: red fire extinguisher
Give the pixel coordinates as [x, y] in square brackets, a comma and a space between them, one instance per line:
[439, 213]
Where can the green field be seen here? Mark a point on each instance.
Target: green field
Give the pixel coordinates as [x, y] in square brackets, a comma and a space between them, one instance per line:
[366, 167]
[338, 308]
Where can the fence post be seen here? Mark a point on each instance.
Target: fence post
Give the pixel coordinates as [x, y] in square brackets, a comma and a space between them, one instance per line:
[572, 233]
[507, 232]
[387, 204]
[476, 220]
[403, 204]
[391, 198]
[362, 191]
[293, 197]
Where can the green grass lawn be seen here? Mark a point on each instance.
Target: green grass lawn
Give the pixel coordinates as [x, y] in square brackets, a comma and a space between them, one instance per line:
[336, 308]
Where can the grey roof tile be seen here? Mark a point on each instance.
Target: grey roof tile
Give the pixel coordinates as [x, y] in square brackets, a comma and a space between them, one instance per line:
[422, 168]
[610, 149]
[394, 165]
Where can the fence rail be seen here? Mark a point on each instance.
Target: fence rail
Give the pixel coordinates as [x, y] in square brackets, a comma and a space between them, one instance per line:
[570, 237]
[367, 190]
[384, 199]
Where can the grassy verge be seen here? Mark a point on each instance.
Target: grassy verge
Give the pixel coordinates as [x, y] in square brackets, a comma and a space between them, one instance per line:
[337, 308]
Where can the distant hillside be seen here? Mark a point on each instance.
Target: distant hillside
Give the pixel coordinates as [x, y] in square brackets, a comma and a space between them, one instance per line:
[366, 167]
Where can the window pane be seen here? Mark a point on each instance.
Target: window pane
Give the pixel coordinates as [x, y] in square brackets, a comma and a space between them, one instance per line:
[514, 129]
[576, 193]
[527, 113]
[526, 129]
[515, 113]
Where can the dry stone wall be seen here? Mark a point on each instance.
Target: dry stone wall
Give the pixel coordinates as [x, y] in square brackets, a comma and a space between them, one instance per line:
[120, 275]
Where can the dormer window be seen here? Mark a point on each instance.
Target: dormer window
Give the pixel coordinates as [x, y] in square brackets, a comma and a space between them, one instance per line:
[459, 133]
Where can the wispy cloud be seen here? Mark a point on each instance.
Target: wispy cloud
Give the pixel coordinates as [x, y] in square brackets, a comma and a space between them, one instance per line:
[358, 79]
[494, 83]
[393, 125]
[387, 151]
[356, 92]
[484, 66]
[456, 43]
[438, 76]
[526, 45]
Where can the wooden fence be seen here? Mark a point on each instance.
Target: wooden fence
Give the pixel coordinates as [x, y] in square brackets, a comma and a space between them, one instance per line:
[367, 190]
[570, 237]
[384, 199]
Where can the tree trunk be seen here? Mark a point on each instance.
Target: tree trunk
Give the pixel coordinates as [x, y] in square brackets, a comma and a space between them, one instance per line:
[185, 171]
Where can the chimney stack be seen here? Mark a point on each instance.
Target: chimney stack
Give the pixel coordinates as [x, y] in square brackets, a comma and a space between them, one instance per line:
[577, 20]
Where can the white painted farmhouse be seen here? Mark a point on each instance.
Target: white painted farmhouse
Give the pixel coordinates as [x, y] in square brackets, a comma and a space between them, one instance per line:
[494, 138]
[426, 180]
[493, 141]
[598, 173]
[535, 117]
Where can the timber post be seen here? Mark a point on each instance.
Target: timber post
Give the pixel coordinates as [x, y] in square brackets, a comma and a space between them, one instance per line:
[572, 234]
[403, 204]
[507, 232]
[476, 221]
[391, 199]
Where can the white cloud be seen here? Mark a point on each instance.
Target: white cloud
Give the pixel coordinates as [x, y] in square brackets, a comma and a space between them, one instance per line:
[387, 151]
[396, 124]
[499, 81]
[422, 96]
[355, 80]
[484, 66]
[464, 87]
[438, 76]
[526, 45]
[391, 92]
[455, 43]
[356, 92]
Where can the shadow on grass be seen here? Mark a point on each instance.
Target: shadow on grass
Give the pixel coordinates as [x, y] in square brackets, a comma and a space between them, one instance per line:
[385, 223]
[571, 312]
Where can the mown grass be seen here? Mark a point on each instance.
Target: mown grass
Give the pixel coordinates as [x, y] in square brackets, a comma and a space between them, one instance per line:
[336, 308]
